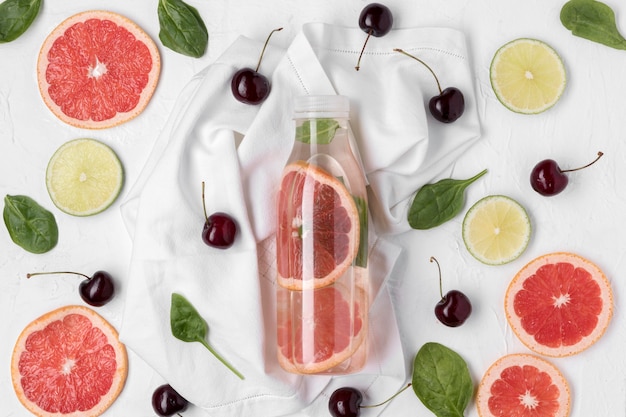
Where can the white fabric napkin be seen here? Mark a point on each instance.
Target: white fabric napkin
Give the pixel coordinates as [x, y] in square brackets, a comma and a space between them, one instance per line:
[239, 151]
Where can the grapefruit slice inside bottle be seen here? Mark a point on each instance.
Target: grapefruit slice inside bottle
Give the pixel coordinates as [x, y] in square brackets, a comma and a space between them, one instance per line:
[318, 228]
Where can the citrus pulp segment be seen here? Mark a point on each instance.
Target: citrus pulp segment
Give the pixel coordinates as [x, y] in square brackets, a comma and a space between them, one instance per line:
[523, 385]
[496, 230]
[97, 69]
[559, 304]
[319, 329]
[318, 228]
[68, 362]
[527, 76]
[84, 177]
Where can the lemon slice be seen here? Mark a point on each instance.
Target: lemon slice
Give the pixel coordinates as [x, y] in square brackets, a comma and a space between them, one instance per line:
[84, 177]
[496, 230]
[527, 76]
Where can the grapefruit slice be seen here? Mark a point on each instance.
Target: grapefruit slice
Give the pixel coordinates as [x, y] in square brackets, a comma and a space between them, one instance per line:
[523, 385]
[318, 228]
[559, 304]
[319, 329]
[68, 362]
[97, 69]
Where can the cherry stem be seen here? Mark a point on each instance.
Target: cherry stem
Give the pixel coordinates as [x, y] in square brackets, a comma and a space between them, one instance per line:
[588, 165]
[33, 274]
[433, 259]
[265, 46]
[424, 64]
[388, 399]
[358, 63]
[204, 204]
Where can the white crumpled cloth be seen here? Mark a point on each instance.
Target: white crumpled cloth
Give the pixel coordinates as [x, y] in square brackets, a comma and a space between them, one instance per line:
[239, 151]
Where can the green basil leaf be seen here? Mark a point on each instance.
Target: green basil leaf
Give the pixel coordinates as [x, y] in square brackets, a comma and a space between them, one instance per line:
[182, 28]
[16, 16]
[435, 204]
[592, 20]
[30, 225]
[189, 326]
[441, 380]
[361, 255]
[324, 131]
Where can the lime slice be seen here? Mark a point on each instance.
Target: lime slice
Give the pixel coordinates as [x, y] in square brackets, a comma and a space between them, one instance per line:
[84, 177]
[496, 230]
[527, 76]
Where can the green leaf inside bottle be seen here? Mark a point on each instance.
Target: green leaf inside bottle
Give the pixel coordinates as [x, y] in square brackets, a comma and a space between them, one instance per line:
[321, 132]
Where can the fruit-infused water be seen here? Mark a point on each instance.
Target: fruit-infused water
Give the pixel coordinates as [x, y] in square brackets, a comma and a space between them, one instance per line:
[321, 238]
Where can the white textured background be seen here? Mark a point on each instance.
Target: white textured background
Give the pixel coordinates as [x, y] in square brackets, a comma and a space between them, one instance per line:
[587, 218]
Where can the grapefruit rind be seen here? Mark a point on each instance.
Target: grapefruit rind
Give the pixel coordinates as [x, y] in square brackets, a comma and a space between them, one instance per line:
[603, 318]
[347, 201]
[537, 73]
[120, 117]
[494, 373]
[482, 233]
[84, 177]
[121, 372]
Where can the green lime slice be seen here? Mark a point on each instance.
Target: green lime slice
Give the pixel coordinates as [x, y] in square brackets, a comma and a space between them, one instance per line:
[84, 177]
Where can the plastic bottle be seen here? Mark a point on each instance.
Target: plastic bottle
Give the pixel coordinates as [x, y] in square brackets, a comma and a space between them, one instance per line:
[321, 239]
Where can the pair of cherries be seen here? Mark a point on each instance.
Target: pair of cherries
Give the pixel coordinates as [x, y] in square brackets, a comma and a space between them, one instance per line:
[376, 20]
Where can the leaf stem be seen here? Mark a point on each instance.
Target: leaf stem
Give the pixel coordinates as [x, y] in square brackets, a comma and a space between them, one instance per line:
[258, 65]
[388, 399]
[477, 176]
[220, 358]
[424, 64]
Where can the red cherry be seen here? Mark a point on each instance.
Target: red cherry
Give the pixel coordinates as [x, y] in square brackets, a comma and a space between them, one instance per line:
[219, 230]
[449, 104]
[345, 402]
[248, 85]
[454, 307]
[375, 20]
[548, 179]
[96, 290]
[166, 401]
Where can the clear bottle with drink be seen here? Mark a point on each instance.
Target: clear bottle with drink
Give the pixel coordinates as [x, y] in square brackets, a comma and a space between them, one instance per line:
[322, 245]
